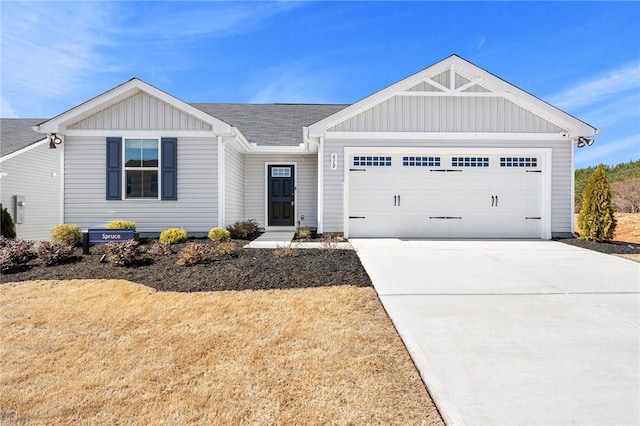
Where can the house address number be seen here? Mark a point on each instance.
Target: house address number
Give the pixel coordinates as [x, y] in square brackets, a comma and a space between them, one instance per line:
[334, 161]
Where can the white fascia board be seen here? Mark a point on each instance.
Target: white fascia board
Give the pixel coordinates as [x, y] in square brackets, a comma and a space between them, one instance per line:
[23, 150]
[444, 135]
[300, 149]
[58, 124]
[144, 133]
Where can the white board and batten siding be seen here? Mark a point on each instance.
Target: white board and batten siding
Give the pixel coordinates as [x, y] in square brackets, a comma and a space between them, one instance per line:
[85, 188]
[306, 186]
[36, 175]
[446, 114]
[141, 111]
[561, 208]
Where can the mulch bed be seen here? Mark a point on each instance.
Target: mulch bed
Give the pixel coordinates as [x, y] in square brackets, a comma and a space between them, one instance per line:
[611, 247]
[245, 269]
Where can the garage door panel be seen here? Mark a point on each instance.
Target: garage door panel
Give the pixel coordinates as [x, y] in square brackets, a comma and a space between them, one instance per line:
[471, 197]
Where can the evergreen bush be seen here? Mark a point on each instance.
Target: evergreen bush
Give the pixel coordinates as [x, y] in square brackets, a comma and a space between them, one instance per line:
[67, 234]
[173, 236]
[219, 234]
[8, 228]
[596, 219]
[121, 224]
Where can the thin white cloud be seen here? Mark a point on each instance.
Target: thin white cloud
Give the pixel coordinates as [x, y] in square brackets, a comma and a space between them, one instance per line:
[48, 51]
[623, 149]
[63, 53]
[296, 82]
[621, 109]
[621, 80]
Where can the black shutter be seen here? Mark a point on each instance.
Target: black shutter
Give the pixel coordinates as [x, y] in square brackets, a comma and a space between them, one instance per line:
[114, 168]
[169, 169]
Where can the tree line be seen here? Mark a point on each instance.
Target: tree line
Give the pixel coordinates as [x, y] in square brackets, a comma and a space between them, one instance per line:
[624, 179]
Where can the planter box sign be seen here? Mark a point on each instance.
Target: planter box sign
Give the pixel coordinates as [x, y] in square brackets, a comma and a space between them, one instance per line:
[100, 236]
[103, 236]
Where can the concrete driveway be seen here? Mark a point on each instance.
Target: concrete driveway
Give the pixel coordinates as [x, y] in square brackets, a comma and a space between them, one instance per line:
[515, 332]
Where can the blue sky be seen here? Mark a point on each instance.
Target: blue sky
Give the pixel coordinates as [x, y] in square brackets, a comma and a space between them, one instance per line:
[583, 57]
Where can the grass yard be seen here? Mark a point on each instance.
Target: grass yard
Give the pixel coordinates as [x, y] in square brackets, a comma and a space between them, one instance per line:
[116, 352]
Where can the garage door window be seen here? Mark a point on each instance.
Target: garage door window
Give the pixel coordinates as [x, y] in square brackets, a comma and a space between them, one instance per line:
[421, 161]
[372, 161]
[469, 161]
[518, 162]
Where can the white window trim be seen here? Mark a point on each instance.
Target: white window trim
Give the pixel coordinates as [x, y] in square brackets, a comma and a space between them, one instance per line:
[125, 169]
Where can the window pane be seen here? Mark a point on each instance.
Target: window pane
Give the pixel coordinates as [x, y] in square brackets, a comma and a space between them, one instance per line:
[142, 184]
[133, 153]
[149, 153]
[141, 153]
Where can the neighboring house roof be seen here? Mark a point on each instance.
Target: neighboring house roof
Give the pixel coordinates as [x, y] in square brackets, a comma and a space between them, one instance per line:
[270, 124]
[17, 133]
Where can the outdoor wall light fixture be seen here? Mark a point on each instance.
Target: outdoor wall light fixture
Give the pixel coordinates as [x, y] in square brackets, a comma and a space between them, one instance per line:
[582, 141]
[54, 140]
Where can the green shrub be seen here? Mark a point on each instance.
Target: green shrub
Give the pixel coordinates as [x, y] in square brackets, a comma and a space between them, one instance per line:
[219, 234]
[54, 253]
[8, 229]
[67, 234]
[14, 253]
[121, 224]
[596, 219]
[123, 254]
[173, 236]
[224, 248]
[192, 254]
[243, 228]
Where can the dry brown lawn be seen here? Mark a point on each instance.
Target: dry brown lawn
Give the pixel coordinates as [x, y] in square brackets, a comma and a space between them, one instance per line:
[116, 352]
[627, 228]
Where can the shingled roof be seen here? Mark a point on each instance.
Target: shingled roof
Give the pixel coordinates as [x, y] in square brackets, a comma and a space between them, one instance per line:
[262, 124]
[17, 133]
[270, 124]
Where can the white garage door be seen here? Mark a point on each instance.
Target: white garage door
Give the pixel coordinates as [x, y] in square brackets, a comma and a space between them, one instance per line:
[449, 195]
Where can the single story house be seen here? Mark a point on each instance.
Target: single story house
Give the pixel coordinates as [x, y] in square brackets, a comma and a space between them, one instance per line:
[451, 151]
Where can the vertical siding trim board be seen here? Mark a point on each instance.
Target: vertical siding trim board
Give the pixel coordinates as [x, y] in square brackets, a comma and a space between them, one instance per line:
[221, 185]
[320, 229]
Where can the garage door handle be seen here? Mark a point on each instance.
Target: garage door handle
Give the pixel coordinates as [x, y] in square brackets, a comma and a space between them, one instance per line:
[356, 217]
[398, 201]
[394, 200]
[496, 201]
[533, 217]
[492, 200]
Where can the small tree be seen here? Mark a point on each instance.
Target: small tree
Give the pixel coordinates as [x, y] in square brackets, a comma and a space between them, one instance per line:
[8, 230]
[596, 219]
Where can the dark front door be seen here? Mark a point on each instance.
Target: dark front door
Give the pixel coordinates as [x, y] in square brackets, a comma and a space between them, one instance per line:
[281, 195]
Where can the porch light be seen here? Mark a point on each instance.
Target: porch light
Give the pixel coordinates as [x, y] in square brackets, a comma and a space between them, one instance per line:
[54, 140]
[582, 141]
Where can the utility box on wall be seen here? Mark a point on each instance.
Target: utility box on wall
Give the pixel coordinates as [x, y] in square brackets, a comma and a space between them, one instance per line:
[19, 204]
